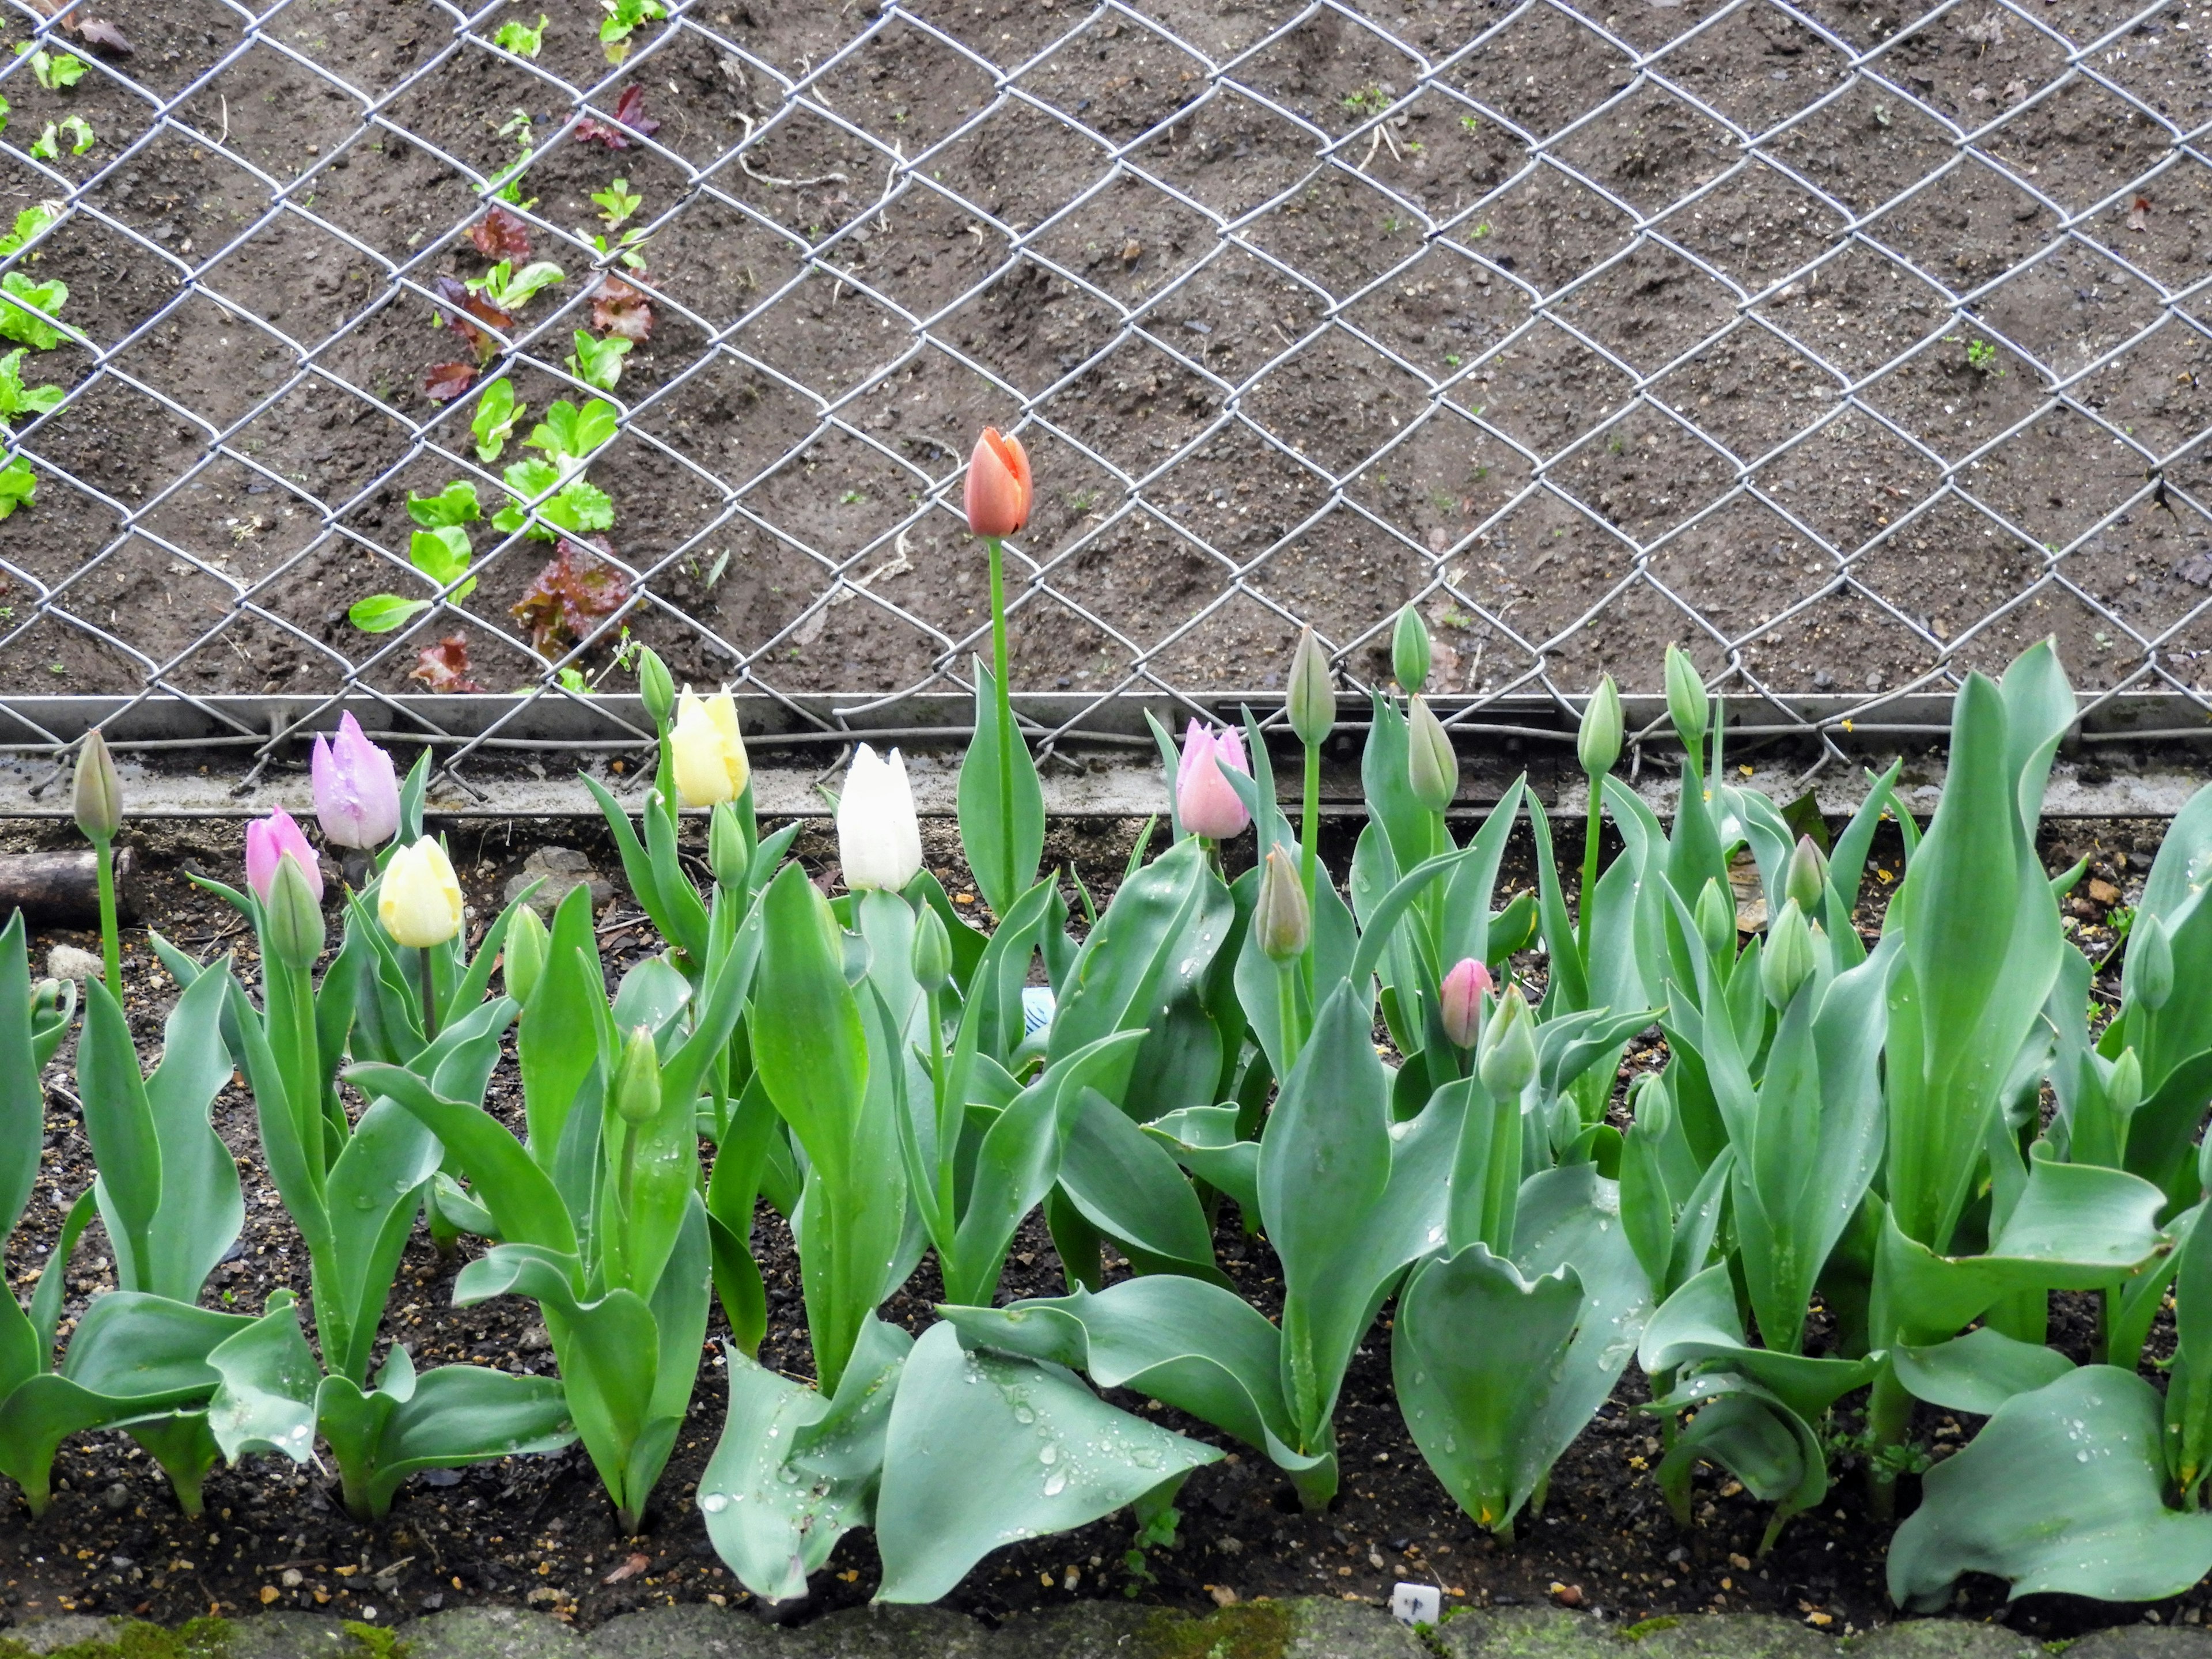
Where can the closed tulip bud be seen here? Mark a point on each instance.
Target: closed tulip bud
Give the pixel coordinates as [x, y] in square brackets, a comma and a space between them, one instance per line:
[418, 900]
[1687, 705]
[878, 838]
[268, 842]
[728, 855]
[525, 954]
[1597, 744]
[356, 788]
[1786, 961]
[1807, 882]
[1459, 1008]
[292, 916]
[1716, 915]
[1311, 698]
[637, 1079]
[998, 485]
[96, 798]
[933, 951]
[1280, 920]
[707, 750]
[1654, 1107]
[1205, 801]
[2150, 963]
[1409, 652]
[46, 1000]
[656, 687]
[1431, 765]
[2124, 1088]
[1508, 1060]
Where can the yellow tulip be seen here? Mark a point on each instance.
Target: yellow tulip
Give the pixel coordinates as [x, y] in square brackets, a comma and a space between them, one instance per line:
[709, 751]
[419, 901]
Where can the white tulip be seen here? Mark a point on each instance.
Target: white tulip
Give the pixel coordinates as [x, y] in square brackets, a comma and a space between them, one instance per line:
[878, 841]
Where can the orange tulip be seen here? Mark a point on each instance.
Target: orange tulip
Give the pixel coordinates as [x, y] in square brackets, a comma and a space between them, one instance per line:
[998, 485]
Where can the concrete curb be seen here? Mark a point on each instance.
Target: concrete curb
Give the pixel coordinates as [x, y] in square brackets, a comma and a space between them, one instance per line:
[1304, 1629]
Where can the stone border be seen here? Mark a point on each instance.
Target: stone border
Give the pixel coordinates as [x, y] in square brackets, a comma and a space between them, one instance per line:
[1302, 1629]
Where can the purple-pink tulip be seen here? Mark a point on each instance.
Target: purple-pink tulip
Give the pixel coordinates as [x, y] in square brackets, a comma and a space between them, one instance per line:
[1461, 1002]
[274, 838]
[357, 791]
[1208, 802]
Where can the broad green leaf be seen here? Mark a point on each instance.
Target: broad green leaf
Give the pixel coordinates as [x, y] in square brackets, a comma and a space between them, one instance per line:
[807, 1039]
[1001, 804]
[983, 1449]
[120, 1124]
[1977, 1372]
[796, 1469]
[2062, 1492]
[1206, 1141]
[380, 613]
[28, 309]
[1126, 1185]
[456, 504]
[1571, 1217]
[1698, 1323]
[453, 1415]
[22, 1096]
[201, 1210]
[266, 1401]
[556, 1045]
[520, 1196]
[1753, 1434]
[375, 1190]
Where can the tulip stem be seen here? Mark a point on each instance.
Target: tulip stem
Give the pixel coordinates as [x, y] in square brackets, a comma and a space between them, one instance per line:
[1309, 848]
[1286, 998]
[996, 548]
[429, 996]
[111, 948]
[1591, 828]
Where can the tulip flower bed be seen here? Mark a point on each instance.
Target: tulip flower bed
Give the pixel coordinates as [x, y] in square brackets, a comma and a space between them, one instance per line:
[1180, 1156]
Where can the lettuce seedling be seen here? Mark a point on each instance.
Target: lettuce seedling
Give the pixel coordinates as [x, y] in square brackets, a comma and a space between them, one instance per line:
[630, 118]
[444, 666]
[500, 236]
[48, 145]
[55, 71]
[446, 381]
[15, 397]
[617, 203]
[597, 363]
[496, 414]
[509, 289]
[507, 187]
[620, 308]
[577, 586]
[28, 309]
[572, 435]
[578, 506]
[32, 222]
[624, 17]
[439, 550]
[464, 306]
[521, 38]
[18, 483]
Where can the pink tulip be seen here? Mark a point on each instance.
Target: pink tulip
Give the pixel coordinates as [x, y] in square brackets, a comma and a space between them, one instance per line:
[274, 838]
[1461, 998]
[1208, 802]
[357, 791]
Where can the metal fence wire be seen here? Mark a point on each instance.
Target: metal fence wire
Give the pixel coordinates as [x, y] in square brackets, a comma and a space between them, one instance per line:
[1851, 344]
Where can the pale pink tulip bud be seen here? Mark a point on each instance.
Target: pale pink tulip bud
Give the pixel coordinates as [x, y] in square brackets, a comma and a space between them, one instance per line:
[1207, 803]
[1461, 998]
[356, 790]
[270, 839]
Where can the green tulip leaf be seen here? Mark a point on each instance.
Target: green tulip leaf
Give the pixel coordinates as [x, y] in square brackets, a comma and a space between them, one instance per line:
[1977, 1372]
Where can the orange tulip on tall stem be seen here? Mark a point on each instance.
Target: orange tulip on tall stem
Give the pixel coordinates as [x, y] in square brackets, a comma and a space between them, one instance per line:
[998, 506]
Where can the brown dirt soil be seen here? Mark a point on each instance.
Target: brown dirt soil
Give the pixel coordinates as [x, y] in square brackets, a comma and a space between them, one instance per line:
[540, 1529]
[255, 432]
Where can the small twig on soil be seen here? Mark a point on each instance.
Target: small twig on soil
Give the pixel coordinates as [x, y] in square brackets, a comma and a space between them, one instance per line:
[767, 179]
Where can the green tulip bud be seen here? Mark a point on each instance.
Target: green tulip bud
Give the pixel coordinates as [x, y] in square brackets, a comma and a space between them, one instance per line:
[1716, 916]
[933, 951]
[1806, 883]
[2124, 1088]
[1687, 704]
[1786, 961]
[525, 954]
[1311, 698]
[97, 797]
[1281, 921]
[2150, 963]
[1598, 745]
[656, 686]
[728, 855]
[1507, 1062]
[1654, 1107]
[292, 917]
[637, 1079]
[1409, 652]
[1431, 766]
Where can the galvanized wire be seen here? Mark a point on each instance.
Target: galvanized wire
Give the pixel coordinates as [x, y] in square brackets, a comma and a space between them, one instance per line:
[1041, 569]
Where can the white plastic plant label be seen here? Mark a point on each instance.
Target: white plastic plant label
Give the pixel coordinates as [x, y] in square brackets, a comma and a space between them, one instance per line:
[1416, 1604]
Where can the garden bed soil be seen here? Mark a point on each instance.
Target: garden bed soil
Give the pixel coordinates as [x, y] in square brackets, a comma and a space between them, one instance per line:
[539, 1532]
[784, 283]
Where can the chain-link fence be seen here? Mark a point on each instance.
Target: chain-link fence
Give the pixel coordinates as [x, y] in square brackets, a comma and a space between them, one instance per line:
[1851, 344]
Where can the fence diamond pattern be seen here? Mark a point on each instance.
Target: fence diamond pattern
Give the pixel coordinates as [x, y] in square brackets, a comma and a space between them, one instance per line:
[1852, 343]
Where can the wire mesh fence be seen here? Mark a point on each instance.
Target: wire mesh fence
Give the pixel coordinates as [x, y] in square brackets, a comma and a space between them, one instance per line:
[1851, 344]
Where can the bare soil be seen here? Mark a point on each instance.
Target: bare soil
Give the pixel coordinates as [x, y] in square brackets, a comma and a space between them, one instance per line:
[234, 476]
[540, 1530]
